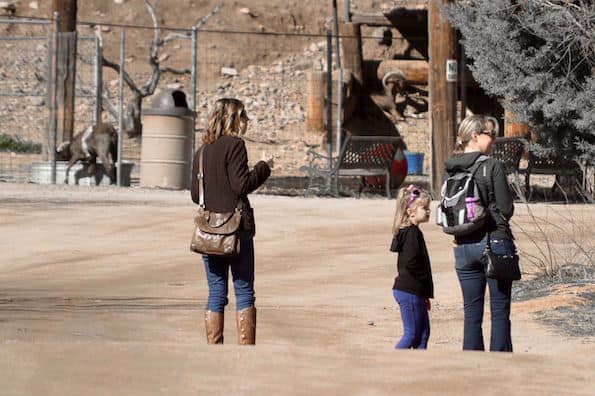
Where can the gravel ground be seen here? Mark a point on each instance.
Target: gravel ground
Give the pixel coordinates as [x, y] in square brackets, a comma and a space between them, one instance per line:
[575, 320]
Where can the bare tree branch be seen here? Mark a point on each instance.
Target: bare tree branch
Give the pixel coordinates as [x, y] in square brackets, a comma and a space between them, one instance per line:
[151, 84]
[127, 79]
[175, 36]
[132, 123]
[107, 104]
[169, 69]
[205, 18]
[199, 24]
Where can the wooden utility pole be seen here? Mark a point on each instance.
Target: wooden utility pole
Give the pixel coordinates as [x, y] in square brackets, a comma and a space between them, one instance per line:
[442, 90]
[64, 79]
[316, 95]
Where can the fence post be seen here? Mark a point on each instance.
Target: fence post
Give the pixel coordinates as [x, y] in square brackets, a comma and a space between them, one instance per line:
[54, 105]
[339, 79]
[193, 82]
[45, 154]
[347, 11]
[329, 105]
[98, 77]
[121, 106]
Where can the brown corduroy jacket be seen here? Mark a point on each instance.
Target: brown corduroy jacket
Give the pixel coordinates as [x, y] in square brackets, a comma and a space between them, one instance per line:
[227, 178]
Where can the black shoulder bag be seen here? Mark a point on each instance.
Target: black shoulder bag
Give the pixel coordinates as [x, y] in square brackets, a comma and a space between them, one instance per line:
[500, 266]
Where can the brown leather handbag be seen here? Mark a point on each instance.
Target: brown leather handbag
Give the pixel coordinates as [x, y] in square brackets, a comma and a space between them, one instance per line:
[214, 233]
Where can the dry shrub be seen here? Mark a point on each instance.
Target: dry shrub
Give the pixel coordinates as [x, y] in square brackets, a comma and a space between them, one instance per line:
[563, 241]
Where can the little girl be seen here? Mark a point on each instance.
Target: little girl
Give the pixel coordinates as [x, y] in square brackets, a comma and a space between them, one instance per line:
[413, 285]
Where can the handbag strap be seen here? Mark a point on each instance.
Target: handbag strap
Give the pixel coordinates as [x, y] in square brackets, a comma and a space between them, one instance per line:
[488, 243]
[200, 176]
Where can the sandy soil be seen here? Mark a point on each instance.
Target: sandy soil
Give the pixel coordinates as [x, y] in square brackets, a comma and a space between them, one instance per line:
[99, 295]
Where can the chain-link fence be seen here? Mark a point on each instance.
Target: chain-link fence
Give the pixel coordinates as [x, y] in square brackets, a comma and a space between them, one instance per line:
[25, 87]
[267, 71]
[24, 79]
[270, 72]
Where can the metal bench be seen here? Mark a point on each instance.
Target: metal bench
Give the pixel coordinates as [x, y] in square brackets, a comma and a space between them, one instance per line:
[359, 156]
[568, 173]
[509, 150]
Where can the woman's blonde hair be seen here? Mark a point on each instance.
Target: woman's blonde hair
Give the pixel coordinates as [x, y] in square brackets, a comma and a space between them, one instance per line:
[408, 197]
[225, 119]
[473, 123]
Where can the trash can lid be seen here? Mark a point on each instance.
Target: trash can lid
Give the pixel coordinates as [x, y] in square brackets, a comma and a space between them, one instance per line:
[169, 102]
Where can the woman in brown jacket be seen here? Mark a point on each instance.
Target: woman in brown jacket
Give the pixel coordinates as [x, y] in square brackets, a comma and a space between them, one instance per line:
[227, 182]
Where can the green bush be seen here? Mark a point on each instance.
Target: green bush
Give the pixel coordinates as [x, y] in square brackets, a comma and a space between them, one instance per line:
[18, 145]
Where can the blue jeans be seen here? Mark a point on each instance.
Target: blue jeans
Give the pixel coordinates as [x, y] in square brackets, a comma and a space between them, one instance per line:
[416, 321]
[242, 270]
[471, 274]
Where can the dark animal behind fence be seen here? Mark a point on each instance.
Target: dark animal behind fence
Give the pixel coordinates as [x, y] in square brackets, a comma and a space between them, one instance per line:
[98, 141]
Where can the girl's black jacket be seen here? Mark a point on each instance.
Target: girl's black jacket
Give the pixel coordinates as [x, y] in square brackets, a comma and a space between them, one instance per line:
[413, 264]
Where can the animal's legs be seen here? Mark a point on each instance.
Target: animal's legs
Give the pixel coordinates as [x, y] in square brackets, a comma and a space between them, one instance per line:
[92, 164]
[71, 162]
[105, 161]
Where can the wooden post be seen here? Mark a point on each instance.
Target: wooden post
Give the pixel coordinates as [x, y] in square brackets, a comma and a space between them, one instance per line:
[98, 76]
[352, 50]
[66, 68]
[443, 97]
[121, 106]
[513, 128]
[315, 109]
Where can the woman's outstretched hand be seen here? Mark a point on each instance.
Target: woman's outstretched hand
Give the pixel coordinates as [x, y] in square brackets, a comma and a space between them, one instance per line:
[268, 159]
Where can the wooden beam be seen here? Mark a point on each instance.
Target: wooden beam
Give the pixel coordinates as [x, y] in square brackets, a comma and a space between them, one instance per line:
[398, 17]
[415, 71]
[66, 68]
[442, 93]
[375, 19]
[351, 41]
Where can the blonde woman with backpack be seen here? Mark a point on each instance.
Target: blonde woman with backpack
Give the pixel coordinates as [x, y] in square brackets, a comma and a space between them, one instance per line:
[476, 136]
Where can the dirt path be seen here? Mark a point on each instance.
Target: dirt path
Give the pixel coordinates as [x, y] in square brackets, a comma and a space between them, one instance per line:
[100, 295]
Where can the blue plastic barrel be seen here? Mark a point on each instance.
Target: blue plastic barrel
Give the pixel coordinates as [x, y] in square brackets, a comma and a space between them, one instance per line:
[415, 162]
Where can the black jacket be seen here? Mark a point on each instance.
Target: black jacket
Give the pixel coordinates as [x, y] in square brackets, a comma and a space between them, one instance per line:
[494, 191]
[227, 178]
[413, 264]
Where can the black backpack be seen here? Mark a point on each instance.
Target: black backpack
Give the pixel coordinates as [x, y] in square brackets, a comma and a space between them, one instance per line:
[461, 210]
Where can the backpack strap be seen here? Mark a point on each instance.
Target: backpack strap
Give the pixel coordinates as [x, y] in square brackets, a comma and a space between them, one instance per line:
[478, 162]
[473, 170]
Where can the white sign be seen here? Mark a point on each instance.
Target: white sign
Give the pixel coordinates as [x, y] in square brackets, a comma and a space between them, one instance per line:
[451, 70]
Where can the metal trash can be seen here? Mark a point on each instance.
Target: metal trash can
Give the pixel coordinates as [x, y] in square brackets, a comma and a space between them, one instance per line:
[166, 148]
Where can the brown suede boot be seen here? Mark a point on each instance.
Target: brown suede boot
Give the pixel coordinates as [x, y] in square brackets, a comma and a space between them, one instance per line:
[246, 324]
[214, 327]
